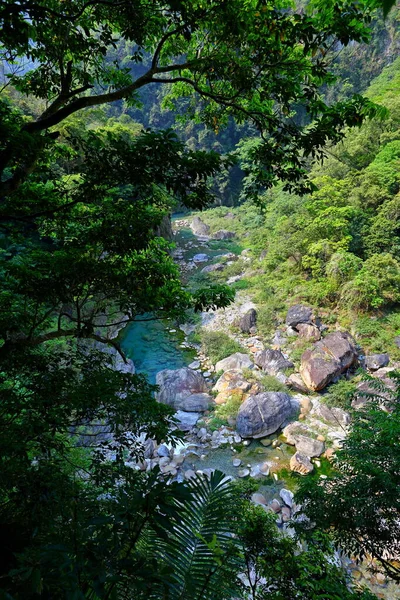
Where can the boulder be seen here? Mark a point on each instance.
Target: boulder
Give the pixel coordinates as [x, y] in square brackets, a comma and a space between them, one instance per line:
[196, 403]
[199, 227]
[327, 359]
[373, 362]
[176, 386]
[308, 446]
[199, 258]
[232, 380]
[299, 463]
[229, 215]
[272, 361]
[287, 496]
[186, 420]
[248, 321]
[223, 234]
[258, 498]
[293, 429]
[397, 341]
[234, 361]
[295, 382]
[298, 314]
[308, 331]
[262, 414]
[334, 415]
[213, 268]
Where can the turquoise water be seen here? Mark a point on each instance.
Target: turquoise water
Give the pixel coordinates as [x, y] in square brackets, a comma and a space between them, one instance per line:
[150, 344]
[153, 348]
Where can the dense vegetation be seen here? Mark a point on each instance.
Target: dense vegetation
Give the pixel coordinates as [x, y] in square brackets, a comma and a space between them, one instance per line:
[83, 197]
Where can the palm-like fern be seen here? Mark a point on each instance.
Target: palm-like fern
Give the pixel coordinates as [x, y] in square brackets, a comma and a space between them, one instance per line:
[199, 552]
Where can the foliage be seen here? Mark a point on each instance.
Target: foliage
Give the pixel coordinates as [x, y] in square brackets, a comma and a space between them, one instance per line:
[218, 345]
[360, 503]
[340, 394]
[272, 384]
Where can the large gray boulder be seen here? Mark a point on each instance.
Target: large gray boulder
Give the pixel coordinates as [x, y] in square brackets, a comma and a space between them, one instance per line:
[272, 361]
[298, 314]
[213, 268]
[238, 360]
[308, 446]
[223, 234]
[262, 414]
[248, 321]
[177, 388]
[373, 362]
[199, 227]
[196, 403]
[327, 359]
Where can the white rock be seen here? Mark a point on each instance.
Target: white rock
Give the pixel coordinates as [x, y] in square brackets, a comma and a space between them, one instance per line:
[287, 496]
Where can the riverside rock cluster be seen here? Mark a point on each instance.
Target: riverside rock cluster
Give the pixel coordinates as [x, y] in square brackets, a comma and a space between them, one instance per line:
[296, 419]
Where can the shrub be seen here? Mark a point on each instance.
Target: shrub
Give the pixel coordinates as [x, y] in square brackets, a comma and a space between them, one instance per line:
[218, 345]
[340, 394]
[272, 384]
[377, 284]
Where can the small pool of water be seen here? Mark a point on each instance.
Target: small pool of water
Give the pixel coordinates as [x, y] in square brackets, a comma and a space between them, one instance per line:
[153, 347]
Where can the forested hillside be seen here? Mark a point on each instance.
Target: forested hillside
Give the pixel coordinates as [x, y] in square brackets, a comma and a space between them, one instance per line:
[204, 194]
[338, 248]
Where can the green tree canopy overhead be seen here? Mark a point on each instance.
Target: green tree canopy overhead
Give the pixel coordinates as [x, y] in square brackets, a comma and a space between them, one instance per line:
[251, 60]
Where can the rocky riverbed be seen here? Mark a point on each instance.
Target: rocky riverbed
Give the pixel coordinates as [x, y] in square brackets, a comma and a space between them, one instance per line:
[274, 436]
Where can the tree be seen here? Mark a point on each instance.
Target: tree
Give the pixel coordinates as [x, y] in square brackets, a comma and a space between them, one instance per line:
[360, 502]
[249, 60]
[81, 202]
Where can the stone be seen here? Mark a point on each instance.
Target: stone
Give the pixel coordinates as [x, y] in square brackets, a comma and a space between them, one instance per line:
[199, 227]
[223, 234]
[267, 442]
[258, 498]
[275, 505]
[373, 362]
[327, 359]
[262, 414]
[163, 450]
[309, 446]
[295, 382]
[149, 447]
[164, 461]
[176, 386]
[329, 454]
[334, 415]
[213, 268]
[287, 496]
[272, 361]
[305, 404]
[293, 429]
[300, 463]
[238, 360]
[298, 314]
[236, 462]
[397, 341]
[196, 403]
[186, 420]
[308, 331]
[286, 514]
[264, 469]
[248, 321]
[199, 258]
[232, 380]
[190, 474]
[202, 432]
[194, 365]
[244, 472]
